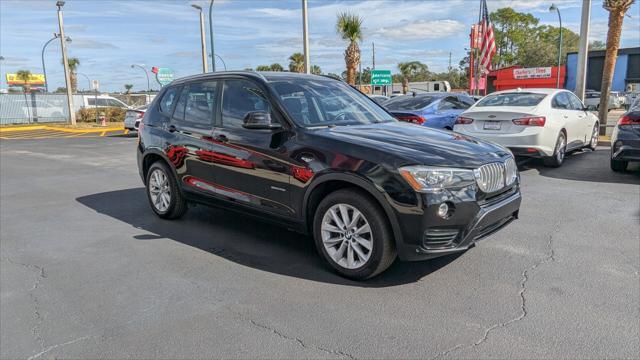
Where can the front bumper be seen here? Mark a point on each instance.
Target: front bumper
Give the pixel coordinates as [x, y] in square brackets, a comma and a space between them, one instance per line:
[438, 239]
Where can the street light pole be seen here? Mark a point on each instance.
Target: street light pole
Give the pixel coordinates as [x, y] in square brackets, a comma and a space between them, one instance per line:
[44, 69]
[133, 66]
[305, 35]
[583, 50]
[221, 59]
[67, 77]
[213, 60]
[202, 38]
[552, 8]
[1, 60]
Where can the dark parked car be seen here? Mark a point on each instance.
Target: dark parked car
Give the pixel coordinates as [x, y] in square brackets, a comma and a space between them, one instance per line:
[315, 155]
[625, 140]
[437, 109]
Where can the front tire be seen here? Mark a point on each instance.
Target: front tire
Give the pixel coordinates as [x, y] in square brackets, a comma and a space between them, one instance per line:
[558, 155]
[164, 195]
[619, 165]
[352, 234]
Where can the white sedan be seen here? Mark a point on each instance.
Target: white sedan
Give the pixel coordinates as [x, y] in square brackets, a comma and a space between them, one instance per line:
[544, 123]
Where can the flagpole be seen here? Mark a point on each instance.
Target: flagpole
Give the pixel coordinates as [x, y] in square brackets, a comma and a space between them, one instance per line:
[476, 90]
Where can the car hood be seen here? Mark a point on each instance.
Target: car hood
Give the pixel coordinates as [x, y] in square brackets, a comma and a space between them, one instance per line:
[414, 144]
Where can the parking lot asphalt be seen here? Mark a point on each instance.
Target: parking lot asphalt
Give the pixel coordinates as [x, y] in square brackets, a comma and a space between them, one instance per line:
[88, 271]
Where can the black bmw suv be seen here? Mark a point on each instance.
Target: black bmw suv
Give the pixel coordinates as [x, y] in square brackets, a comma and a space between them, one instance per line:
[315, 155]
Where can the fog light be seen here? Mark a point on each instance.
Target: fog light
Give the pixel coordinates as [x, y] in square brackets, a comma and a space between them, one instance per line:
[443, 210]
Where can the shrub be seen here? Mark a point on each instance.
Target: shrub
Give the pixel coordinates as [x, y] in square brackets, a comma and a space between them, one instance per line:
[113, 114]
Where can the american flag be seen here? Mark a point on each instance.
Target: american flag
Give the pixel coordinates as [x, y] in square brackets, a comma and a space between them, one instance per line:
[487, 42]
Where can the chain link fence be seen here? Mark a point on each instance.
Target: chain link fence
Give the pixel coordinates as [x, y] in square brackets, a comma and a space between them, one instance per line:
[50, 108]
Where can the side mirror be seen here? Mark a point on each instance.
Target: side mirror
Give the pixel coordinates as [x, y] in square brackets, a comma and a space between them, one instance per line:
[259, 120]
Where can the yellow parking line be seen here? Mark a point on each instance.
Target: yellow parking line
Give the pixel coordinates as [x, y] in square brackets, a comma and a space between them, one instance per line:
[103, 133]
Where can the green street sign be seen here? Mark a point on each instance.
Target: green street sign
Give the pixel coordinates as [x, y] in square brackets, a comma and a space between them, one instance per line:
[381, 77]
[164, 76]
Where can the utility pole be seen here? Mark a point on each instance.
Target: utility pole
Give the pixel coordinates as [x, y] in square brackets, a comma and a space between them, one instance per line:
[553, 8]
[202, 38]
[305, 35]
[449, 62]
[583, 50]
[373, 47]
[67, 77]
[213, 59]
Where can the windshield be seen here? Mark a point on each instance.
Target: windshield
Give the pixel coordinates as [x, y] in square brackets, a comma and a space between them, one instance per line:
[512, 99]
[325, 103]
[409, 102]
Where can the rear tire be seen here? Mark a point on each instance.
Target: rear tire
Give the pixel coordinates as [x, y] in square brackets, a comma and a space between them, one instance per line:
[593, 144]
[560, 151]
[351, 252]
[619, 165]
[163, 192]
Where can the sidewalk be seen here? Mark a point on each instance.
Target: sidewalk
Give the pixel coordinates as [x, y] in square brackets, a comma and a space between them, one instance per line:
[612, 119]
[60, 131]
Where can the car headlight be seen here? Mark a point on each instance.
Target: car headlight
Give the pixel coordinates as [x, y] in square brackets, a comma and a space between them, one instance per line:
[435, 179]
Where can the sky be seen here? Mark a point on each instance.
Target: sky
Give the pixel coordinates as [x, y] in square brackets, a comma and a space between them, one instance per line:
[108, 36]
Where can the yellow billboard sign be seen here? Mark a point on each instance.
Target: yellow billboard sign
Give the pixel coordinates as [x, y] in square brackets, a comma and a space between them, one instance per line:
[34, 79]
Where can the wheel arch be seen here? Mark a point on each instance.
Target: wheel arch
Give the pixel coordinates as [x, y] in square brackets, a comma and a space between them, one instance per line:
[328, 183]
[150, 157]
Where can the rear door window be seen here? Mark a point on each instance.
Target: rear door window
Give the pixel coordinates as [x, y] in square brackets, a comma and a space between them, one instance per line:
[561, 101]
[197, 105]
[452, 103]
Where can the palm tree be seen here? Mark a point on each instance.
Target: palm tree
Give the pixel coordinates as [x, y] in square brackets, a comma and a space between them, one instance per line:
[296, 63]
[128, 88]
[73, 66]
[349, 26]
[617, 9]
[315, 69]
[24, 75]
[276, 67]
[409, 70]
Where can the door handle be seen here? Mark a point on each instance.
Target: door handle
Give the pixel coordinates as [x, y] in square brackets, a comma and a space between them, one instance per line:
[222, 138]
[171, 128]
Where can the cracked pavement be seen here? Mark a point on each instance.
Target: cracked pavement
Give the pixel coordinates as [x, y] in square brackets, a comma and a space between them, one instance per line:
[87, 271]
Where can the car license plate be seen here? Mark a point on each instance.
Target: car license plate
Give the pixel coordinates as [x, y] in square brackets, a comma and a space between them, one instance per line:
[492, 125]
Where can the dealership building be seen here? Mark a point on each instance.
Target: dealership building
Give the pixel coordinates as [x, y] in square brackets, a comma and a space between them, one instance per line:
[625, 77]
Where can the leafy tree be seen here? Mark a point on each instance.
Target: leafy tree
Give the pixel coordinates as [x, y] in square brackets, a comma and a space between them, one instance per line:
[315, 69]
[24, 75]
[335, 76]
[263, 68]
[541, 48]
[296, 63]
[511, 30]
[61, 90]
[73, 67]
[276, 67]
[412, 71]
[349, 27]
[128, 88]
[597, 45]
[617, 9]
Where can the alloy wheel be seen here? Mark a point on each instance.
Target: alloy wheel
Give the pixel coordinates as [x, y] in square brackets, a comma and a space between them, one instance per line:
[159, 190]
[561, 149]
[346, 236]
[594, 137]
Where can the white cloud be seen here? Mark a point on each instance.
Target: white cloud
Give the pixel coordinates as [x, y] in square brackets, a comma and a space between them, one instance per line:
[423, 29]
